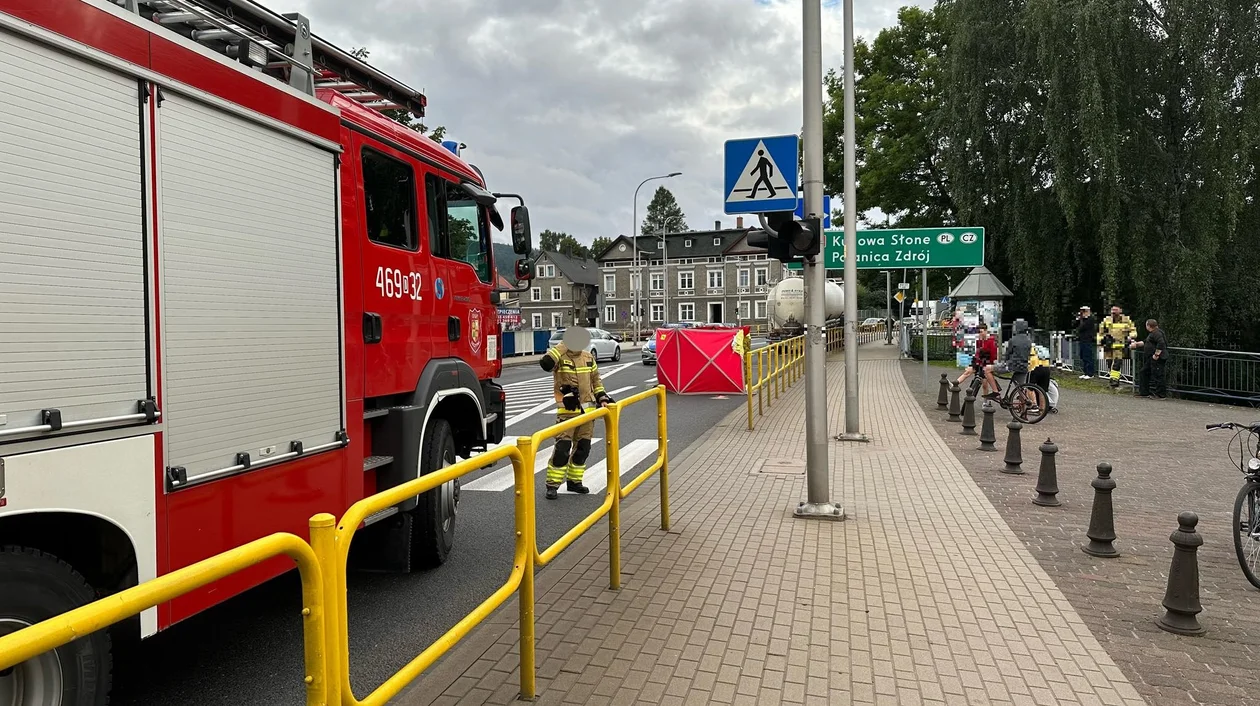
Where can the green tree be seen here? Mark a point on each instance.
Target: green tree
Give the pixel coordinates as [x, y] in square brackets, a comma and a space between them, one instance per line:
[563, 243]
[599, 245]
[404, 117]
[664, 215]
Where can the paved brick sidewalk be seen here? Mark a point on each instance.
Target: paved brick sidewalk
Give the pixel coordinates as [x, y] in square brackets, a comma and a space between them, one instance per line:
[1165, 462]
[923, 596]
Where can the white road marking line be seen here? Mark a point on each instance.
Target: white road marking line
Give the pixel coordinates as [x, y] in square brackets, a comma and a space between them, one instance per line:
[516, 419]
[618, 391]
[632, 454]
[501, 478]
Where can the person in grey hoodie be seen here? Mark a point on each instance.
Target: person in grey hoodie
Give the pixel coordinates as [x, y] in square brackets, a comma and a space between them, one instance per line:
[1015, 362]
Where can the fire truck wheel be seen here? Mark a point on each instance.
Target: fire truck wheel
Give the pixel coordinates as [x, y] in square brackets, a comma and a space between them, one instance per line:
[35, 586]
[435, 514]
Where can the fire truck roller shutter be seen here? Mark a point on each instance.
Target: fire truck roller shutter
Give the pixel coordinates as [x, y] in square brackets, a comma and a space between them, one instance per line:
[251, 308]
[72, 250]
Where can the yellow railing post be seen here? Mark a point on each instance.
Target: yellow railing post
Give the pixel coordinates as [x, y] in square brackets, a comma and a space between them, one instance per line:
[662, 435]
[524, 472]
[323, 529]
[612, 445]
[748, 385]
[761, 376]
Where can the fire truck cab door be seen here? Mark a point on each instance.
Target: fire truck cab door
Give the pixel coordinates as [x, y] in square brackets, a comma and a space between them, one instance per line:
[464, 270]
[403, 311]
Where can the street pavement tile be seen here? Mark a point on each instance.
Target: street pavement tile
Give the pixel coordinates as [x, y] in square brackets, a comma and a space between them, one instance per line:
[1164, 463]
[924, 595]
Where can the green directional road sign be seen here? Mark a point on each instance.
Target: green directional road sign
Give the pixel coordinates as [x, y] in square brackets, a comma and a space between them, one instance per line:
[915, 248]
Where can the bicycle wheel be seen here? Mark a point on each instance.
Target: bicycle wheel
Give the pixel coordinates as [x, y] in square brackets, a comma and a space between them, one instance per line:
[1029, 404]
[1247, 530]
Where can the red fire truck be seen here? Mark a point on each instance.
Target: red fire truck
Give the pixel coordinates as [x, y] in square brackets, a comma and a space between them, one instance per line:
[233, 294]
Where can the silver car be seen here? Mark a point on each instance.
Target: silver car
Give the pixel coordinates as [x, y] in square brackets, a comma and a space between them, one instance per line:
[603, 345]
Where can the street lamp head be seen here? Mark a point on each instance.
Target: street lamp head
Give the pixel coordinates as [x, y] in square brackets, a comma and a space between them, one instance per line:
[674, 174]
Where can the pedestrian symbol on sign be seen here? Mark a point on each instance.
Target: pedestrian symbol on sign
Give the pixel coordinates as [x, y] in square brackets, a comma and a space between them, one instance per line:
[762, 175]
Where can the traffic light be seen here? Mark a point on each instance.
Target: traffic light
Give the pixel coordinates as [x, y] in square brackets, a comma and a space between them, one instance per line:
[792, 239]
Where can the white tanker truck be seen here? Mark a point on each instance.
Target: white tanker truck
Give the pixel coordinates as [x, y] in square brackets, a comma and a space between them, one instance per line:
[785, 306]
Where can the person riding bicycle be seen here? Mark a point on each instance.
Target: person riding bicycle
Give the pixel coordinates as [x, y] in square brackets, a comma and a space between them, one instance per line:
[1018, 351]
[986, 353]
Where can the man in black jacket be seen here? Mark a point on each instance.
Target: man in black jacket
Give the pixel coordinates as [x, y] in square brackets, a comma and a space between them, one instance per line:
[1086, 332]
[1151, 376]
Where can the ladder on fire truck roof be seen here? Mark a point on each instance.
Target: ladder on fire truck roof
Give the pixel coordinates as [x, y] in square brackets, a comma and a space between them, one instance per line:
[280, 46]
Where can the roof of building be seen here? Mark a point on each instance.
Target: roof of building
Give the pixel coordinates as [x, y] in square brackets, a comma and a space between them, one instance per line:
[574, 269]
[703, 243]
[981, 284]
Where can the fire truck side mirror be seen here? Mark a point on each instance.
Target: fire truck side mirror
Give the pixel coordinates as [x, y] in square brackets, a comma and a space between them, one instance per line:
[522, 239]
[524, 272]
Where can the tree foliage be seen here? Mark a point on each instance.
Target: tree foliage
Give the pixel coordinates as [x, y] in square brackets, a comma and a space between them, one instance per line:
[1109, 148]
[404, 117]
[599, 245]
[563, 243]
[664, 215]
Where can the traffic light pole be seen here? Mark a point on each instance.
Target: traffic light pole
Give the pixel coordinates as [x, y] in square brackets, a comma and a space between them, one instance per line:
[817, 466]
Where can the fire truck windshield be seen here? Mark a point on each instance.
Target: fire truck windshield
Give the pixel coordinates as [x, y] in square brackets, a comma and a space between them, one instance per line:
[470, 236]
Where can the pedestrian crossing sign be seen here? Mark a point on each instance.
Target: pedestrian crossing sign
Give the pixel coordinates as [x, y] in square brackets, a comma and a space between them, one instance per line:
[761, 174]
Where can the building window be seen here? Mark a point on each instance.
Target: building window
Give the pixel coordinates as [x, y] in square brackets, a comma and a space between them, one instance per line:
[555, 294]
[658, 313]
[686, 280]
[389, 190]
[536, 321]
[715, 279]
[535, 294]
[555, 319]
[610, 314]
[610, 285]
[687, 312]
[763, 274]
[687, 243]
[658, 281]
[743, 310]
[540, 271]
[717, 241]
[761, 309]
[743, 277]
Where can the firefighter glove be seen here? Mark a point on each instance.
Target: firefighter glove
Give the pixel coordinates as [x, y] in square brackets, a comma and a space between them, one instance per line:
[570, 398]
[603, 398]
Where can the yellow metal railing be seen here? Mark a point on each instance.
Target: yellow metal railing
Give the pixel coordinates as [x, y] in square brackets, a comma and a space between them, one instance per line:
[59, 630]
[778, 366]
[323, 567]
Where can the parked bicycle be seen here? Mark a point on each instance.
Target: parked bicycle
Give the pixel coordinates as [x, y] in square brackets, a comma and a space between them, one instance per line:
[1027, 402]
[1247, 505]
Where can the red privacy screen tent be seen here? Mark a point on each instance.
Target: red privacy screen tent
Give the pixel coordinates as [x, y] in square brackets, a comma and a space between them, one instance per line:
[694, 361]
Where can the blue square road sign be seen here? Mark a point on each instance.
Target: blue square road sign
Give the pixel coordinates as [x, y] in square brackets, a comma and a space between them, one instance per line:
[761, 174]
[800, 210]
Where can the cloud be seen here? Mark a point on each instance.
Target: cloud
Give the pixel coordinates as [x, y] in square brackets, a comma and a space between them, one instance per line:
[573, 102]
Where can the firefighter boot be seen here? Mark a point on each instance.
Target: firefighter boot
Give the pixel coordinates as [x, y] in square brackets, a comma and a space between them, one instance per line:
[556, 468]
[577, 468]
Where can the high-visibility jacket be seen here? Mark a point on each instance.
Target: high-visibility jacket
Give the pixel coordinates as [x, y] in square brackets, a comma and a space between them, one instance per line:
[578, 369]
[1121, 331]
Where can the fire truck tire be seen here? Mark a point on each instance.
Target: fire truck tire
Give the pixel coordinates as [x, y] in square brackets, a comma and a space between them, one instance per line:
[434, 516]
[35, 586]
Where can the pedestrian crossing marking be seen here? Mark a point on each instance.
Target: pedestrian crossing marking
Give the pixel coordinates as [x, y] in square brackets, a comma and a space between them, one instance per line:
[761, 179]
[502, 478]
[632, 454]
[618, 391]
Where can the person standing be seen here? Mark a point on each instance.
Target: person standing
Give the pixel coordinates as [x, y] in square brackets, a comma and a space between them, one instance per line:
[1086, 332]
[576, 384]
[1151, 379]
[1114, 335]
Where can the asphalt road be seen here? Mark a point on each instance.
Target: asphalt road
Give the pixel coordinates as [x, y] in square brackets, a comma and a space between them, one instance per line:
[249, 649]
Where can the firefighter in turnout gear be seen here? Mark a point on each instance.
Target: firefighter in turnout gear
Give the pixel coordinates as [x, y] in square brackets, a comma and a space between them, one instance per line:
[577, 388]
[1115, 332]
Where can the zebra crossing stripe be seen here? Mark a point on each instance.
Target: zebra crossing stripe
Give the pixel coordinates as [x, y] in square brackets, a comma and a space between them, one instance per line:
[632, 454]
[501, 478]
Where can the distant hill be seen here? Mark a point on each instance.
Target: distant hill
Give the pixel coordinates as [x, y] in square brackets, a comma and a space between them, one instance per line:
[505, 261]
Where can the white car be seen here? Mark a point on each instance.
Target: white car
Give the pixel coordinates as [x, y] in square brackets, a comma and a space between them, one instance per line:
[603, 345]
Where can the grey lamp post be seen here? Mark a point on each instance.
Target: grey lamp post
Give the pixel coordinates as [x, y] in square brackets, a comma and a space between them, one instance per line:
[634, 239]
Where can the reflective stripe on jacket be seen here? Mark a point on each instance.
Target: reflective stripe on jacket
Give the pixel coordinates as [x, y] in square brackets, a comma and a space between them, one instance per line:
[576, 368]
[1121, 331]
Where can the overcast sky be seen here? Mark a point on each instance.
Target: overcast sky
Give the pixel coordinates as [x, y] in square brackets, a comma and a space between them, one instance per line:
[573, 102]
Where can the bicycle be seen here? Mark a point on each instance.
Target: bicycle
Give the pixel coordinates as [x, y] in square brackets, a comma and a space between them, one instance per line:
[1247, 504]
[1028, 403]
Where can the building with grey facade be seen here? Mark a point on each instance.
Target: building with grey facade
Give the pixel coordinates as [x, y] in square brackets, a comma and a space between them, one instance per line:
[709, 276]
[564, 292]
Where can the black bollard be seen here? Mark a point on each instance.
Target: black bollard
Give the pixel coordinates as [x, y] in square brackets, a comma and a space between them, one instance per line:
[1181, 600]
[987, 437]
[942, 397]
[1048, 477]
[969, 416]
[1102, 525]
[1014, 453]
[954, 408]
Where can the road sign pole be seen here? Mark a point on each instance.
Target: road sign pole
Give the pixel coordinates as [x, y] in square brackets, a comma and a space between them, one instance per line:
[851, 419]
[818, 469]
[926, 309]
[888, 304]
